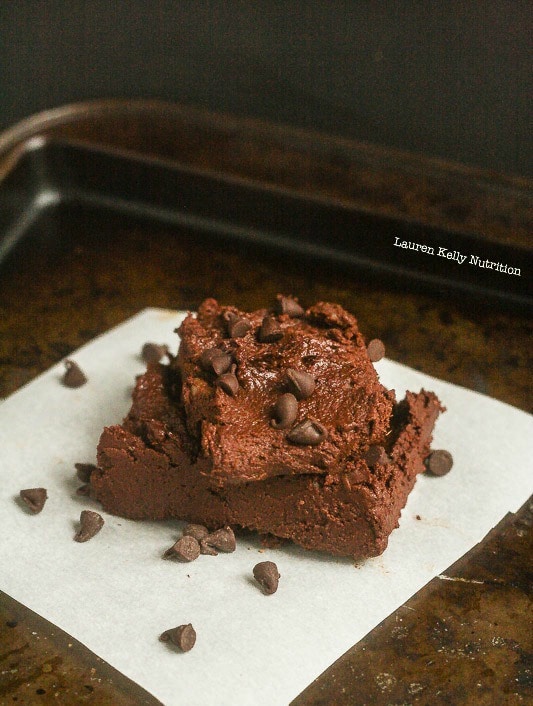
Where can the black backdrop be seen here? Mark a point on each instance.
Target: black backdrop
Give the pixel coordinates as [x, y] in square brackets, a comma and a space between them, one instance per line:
[449, 78]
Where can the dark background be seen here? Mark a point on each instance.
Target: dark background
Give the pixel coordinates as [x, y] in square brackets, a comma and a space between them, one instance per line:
[448, 79]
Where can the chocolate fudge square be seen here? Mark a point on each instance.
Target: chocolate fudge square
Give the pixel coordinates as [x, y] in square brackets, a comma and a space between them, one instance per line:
[311, 368]
[163, 462]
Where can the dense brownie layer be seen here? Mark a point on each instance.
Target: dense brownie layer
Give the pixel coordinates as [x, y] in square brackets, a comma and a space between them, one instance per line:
[251, 380]
[151, 467]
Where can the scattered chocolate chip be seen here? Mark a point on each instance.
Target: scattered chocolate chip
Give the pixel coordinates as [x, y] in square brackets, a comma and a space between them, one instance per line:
[289, 305]
[285, 411]
[34, 498]
[84, 490]
[267, 575]
[90, 524]
[300, 383]
[237, 326]
[376, 454]
[228, 382]
[199, 532]
[375, 350]
[308, 433]
[74, 375]
[153, 352]
[84, 471]
[222, 539]
[185, 549]
[207, 549]
[184, 637]
[439, 462]
[215, 360]
[270, 330]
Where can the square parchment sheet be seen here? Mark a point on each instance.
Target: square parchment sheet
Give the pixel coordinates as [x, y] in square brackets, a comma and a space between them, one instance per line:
[116, 595]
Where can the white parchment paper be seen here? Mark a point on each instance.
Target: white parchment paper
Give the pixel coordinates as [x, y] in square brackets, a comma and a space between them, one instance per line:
[116, 595]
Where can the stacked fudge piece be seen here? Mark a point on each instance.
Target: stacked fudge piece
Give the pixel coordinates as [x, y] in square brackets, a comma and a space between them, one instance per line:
[273, 421]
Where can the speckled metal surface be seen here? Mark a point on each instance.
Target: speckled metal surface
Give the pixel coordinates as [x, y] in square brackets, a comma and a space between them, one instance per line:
[41, 664]
[463, 639]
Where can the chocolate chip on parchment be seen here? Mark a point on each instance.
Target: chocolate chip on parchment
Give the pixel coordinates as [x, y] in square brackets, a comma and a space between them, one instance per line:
[153, 352]
[300, 383]
[207, 548]
[375, 350]
[185, 549]
[34, 498]
[199, 532]
[285, 411]
[84, 471]
[376, 454]
[222, 539]
[267, 575]
[228, 382]
[288, 305]
[308, 433]
[74, 375]
[237, 326]
[439, 462]
[90, 524]
[215, 360]
[270, 330]
[184, 637]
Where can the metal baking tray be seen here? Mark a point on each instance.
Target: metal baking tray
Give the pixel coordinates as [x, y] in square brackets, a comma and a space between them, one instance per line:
[48, 172]
[270, 189]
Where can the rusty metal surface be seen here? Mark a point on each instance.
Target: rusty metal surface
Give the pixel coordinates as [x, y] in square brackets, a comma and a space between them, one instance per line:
[94, 271]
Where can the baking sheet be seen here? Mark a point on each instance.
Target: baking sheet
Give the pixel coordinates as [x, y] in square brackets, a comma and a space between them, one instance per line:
[309, 225]
[116, 595]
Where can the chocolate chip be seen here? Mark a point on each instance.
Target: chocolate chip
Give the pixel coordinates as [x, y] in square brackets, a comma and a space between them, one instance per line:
[185, 549]
[270, 330]
[285, 411]
[267, 575]
[90, 524]
[84, 490]
[207, 549]
[84, 471]
[376, 454]
[184, 637]
[300, 383]
[199, 532]
[74, 375]
[34, 498]
[215, 360]
[289, 305]
[222, 539]
[228, 382]
[308, 433]
[439, 462]
[153, 352]
[375, 350]
[237, 326]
